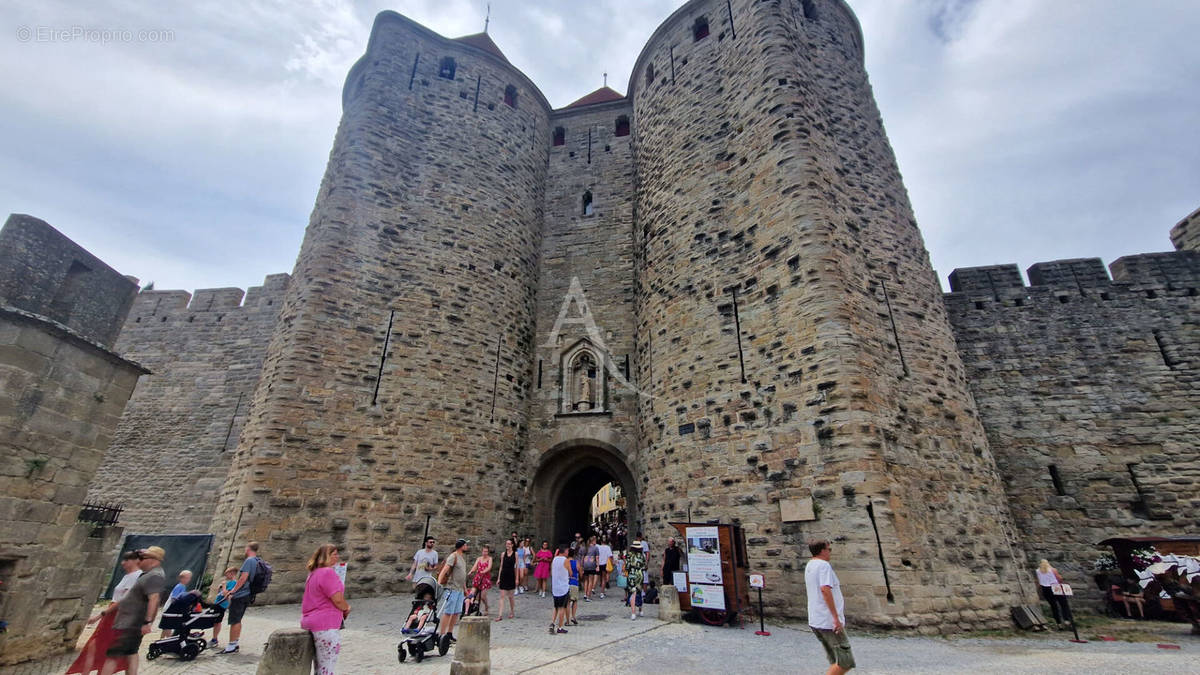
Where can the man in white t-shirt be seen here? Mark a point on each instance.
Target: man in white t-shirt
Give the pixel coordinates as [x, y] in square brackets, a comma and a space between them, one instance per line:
[424, 562]
[605, 560]
[826, 613]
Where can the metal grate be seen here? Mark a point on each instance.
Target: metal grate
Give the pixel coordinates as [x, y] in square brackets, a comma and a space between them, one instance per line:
[100, 514]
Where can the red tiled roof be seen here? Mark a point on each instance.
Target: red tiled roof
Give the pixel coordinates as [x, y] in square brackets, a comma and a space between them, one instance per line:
[484, 42]
[601, 95]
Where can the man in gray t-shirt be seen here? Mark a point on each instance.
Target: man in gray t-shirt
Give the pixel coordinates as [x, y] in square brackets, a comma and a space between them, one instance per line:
[239, 600]
[136, 611]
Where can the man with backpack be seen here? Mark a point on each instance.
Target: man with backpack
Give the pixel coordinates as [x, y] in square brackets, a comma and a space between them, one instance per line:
[252, 579]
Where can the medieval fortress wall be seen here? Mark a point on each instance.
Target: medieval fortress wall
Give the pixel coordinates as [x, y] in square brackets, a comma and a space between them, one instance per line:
[752, 333]
[182, 424]
[1089, 389]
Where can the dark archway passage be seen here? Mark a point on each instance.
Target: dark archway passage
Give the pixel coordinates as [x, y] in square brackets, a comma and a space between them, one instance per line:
[566, 480]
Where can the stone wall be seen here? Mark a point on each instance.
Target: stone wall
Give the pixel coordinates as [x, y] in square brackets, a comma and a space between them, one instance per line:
[183, 421]
[396, 384]
[1186, 234]
[574, 450]
[61, 394]
[791, 328]
[43, 272]
[1089, 389]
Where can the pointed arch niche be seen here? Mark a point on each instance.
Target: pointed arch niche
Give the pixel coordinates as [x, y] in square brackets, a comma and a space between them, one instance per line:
[584, 385]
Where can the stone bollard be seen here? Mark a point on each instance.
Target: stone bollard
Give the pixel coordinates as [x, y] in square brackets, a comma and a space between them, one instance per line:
[668, 604]
[472, 652]
[289, 651]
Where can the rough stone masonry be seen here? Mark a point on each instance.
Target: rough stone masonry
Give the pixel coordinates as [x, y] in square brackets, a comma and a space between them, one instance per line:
[62, 391]
[712, 291]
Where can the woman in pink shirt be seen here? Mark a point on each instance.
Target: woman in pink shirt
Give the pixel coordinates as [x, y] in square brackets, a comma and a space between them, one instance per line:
[323, 608]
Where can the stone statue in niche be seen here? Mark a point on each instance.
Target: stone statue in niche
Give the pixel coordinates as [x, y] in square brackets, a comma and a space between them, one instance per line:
[585, 370]
[585, 394]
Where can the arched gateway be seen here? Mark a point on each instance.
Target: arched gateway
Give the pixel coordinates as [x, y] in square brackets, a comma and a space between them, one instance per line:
[568, 475]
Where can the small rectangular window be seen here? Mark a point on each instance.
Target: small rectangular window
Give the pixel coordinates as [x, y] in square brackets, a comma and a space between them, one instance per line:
[622, 126]
[700, 29]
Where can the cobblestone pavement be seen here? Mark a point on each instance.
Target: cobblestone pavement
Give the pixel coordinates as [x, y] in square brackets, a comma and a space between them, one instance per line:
[607, 641]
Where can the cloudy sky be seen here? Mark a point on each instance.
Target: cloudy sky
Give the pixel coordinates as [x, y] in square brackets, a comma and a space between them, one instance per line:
[187, 151]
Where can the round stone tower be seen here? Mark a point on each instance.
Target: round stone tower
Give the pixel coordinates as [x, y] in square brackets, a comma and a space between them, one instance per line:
[802, 374]
[397, 378]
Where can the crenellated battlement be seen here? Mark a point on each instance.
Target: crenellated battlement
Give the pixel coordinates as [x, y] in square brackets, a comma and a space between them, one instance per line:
[207, 303]
[1147, 276]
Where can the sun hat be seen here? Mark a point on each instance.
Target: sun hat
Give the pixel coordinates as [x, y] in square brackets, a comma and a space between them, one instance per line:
[155, 552]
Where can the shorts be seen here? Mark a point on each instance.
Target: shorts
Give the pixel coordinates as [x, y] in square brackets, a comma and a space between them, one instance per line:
[837, 646]
[560, 601]
[237, 609]
[126, 642]
[573, 594]
[592, 573]
[454, 603]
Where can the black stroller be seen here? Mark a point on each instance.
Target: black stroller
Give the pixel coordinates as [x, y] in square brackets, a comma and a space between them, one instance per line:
[182, 617]
[425, 640]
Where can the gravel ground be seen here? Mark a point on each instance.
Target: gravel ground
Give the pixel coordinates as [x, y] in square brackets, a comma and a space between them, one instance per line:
[607, 641]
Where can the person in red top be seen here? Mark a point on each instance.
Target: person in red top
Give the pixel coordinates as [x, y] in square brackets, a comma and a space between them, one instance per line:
[324, 607]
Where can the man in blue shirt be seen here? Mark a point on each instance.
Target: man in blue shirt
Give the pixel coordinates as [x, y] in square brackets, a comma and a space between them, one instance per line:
[240, 597]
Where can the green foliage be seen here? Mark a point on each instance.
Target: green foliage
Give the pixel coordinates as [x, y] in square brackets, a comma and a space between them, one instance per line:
[33, 466]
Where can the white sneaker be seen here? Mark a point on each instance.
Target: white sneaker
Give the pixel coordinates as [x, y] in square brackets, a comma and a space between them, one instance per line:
[633, 617]
[601, 595]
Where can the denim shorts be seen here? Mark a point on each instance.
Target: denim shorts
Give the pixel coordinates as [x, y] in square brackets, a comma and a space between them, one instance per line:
[454, 603]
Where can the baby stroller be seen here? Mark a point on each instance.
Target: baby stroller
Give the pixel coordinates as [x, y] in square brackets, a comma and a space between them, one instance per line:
[426, 640]
[183, 615]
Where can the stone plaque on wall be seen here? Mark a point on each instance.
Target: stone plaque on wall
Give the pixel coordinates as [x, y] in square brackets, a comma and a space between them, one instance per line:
[796, 510]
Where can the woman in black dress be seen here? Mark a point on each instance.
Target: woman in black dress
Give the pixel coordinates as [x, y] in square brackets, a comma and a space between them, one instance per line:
[508, 578]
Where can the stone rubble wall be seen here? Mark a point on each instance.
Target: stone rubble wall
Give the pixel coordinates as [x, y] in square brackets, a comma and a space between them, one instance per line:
[428, 219]
[182, 424]
[762, 167]
[1097, 378]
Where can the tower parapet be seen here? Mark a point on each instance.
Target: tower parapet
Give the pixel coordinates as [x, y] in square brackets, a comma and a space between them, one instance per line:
[1186, 233]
